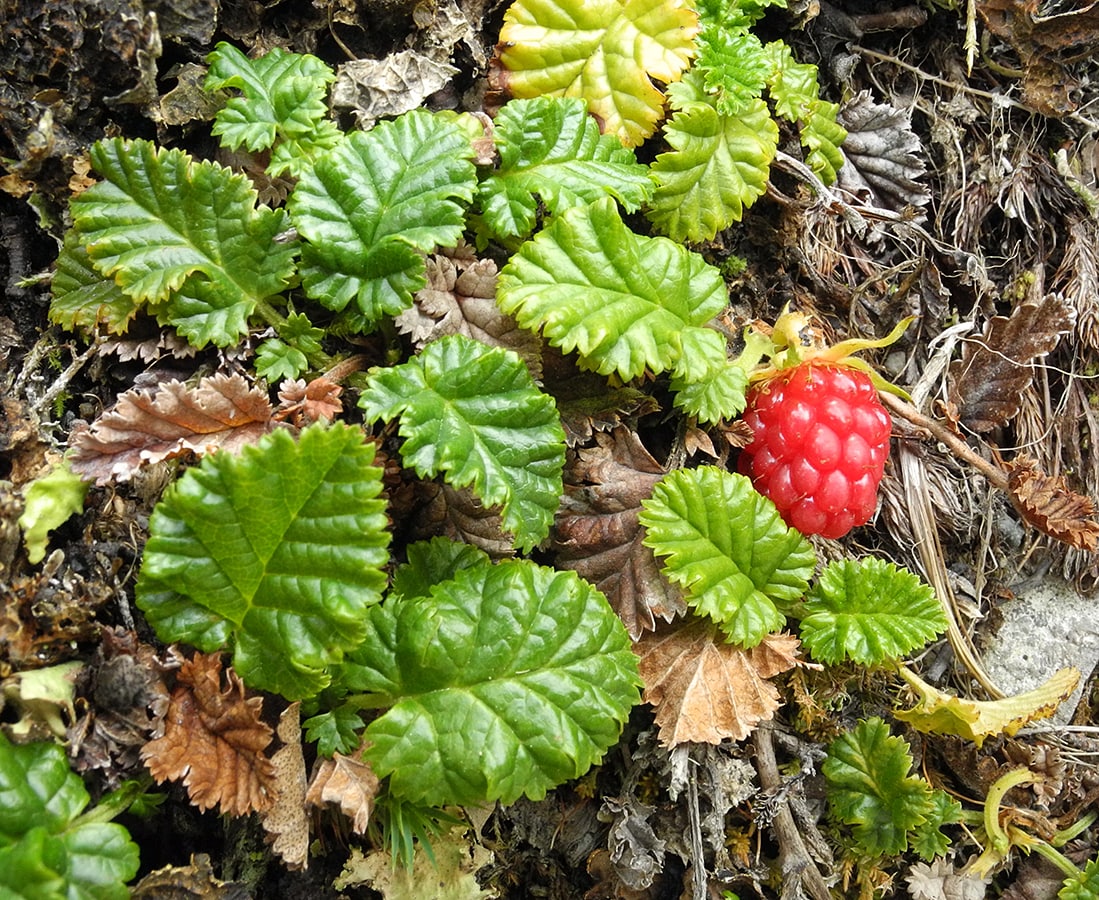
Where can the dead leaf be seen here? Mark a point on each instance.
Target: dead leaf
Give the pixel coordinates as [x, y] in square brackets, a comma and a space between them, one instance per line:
[986, 383]
[1047, 503]
[221, 413]
[182, 882]
[457, 514]
[347, 782]
[285, 821]
[375, 88]
[304, 403]
[706, 690]
[939, 880]
[460, 298]
[597, 533]
[883, 153]
[214, 740]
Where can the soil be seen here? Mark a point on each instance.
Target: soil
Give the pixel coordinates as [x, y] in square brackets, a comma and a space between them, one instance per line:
[986, 202]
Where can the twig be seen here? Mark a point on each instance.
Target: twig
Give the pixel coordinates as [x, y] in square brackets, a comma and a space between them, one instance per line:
[798, 868]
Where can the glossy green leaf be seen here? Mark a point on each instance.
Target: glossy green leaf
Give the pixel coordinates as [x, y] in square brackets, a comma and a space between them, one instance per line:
[336, 730]
[431, 562]
[82, 298]
[368, 207]
[473, 413]
[869, 787]
[870, 611]
[727, 546]
[551, 150]
[716, 394]
[733, 65]
[822, 135]
[185, 237]
[275, 554]
[718, 166]
[791, 85]
[1084, 886]
[507, 680]
[628, 304]
[282, 100]
[927, 839]
[605, 51]
[46, 851]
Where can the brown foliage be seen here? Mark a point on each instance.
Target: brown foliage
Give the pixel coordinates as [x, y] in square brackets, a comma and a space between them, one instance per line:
[347, 782]
[1047, 503]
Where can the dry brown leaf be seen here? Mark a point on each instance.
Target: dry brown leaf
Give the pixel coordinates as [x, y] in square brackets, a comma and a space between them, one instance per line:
[986, 383]
[304, 403]
[214, 740]
[705, 690]
[598, 536]
[347, 782]
[222, 413]
[285, 821]
[1047, 503]
[460, 298]
[457, 514]
[185, 882]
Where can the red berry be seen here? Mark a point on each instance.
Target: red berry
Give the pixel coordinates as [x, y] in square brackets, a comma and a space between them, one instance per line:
[820, 439]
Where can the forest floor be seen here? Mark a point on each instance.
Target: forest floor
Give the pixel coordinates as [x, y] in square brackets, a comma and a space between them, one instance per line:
[970, 200]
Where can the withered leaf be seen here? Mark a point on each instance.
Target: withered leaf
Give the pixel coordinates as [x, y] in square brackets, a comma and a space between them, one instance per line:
[347, 782]
[214, 740]
[1047, 503]
[285, 821]
[705, 690]
[460, 298]
[597, 533]
[988, 381]
[221, 412]
[304, 403]
[457, 514]
[883, 154]
[192, 881]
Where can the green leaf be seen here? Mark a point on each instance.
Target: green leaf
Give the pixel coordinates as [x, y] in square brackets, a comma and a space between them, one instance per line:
[822, 135]
[1084, 886]
[507, 680]
[474, 413]
[791, 85]
[870, 611]
[716, 395]
[282, 100]
[335, 731]
[368, 207]
[719, 166]
[734, 67]
[183, 236]
[276, 553]
[869, 787]
[82, 297]
[927, 840]
[729, 549]
[45, 850]
[277, 360]
[431, 562]
[627, 303]
[49, 501]
[551, 149]
[604, 51]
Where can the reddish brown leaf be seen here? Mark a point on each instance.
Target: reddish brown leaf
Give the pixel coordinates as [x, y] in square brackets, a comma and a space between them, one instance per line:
[222, 412]
[304, 403]
[706, 690]
[285, 821]
[1047, 503]
[214, 740]
[987, 382]
[598, 536]
[347, 782]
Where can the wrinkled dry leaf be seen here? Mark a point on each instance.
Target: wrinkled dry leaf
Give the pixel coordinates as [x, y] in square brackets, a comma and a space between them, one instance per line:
[1078, 278]
[375, 88]
[939, 880]
[185, 882]
[637, 852]
[221, 413]
[1047, 503]
[285, 821]
[347, 782]
[451, 875]
[455, 513]
[460, 298]
[986, 383]
[883, 155]
[597, 533]
[304, 403]
[214, 740]
[706, 690]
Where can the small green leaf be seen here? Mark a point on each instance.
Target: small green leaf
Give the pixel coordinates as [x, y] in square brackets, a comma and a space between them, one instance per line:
[49, 501]
[431, 562]
[275, 553]
[729, 548]
[604, 51]
[717, 395]
[926, 839]
[627, 303]
[869, 611]
[551, 149]
[368, 207]
[183, 236]
[822, 135]
[734, 67]
[1084, 886]
[276, 361]
[336, 731]
[474, 413]
[791, 85]
[719, 166]
[82, 297]
[507, 680]
[869, 787]
[282, 100]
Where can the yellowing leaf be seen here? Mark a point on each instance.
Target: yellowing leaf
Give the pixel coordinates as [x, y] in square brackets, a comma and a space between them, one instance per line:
[941, 713]
[708, 691]
[604, 51]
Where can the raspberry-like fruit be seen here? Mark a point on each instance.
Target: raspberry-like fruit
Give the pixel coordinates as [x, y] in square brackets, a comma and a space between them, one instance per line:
[820, 440]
